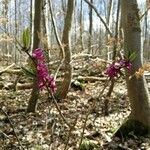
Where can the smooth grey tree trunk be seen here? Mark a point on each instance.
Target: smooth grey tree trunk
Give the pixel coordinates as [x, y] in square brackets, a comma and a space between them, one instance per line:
[139, 119]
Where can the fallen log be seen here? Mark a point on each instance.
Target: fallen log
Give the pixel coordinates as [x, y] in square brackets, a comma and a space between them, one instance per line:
[19, 86]
[11, 71]
[91, 78]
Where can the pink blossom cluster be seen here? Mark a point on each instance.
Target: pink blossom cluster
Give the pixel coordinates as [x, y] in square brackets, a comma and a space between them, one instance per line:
[44, 79]
[114, 69]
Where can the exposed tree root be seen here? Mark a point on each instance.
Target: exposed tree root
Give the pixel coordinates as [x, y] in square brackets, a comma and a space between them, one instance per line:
[131, 128]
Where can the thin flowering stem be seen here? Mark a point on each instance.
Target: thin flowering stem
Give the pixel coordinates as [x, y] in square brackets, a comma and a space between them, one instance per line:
[57, 107]
[70, 132]
[105, 85]
[114, 69]
[44, 79]
[33, 60]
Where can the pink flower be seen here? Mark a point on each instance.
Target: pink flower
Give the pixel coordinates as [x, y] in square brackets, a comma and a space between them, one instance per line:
[125, 64]
[44, 79]
[51, 83]
[114, 69]
[42, 70]
[38, 55]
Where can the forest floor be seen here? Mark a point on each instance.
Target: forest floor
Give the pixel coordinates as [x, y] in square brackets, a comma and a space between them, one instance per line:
[83, 109]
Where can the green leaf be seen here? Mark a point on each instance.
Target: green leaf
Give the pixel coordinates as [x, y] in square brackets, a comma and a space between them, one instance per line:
[26, 38]
[88, 145]
[132, 56]
[28, 72]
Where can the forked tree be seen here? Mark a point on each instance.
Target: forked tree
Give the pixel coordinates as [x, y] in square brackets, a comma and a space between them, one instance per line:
[63, 90]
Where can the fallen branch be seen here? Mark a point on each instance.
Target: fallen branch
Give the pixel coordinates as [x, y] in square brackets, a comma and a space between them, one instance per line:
[11, 71]
[24, 86]
[91, 78]
[7, 68]
[18, 86]
[12, 126]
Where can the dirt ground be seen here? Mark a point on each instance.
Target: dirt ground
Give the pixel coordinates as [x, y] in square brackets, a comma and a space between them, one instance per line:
[84, 110]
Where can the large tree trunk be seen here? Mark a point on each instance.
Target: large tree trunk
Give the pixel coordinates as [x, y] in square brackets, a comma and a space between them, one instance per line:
[139, 119]
[63, 90]
[35, 44]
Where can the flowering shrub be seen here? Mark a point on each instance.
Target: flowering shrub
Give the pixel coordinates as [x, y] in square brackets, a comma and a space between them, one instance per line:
[113, 70]
[44, 79]
[38, 55]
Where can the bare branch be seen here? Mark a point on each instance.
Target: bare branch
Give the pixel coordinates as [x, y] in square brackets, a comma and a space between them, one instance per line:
[146, 11]
[12, 126]
[102, 20]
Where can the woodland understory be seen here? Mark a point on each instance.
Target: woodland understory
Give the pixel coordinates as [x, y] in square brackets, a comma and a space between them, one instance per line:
[84, 109]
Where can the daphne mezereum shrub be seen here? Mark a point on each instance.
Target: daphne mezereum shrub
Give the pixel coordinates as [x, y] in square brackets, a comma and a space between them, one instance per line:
[44, 78]
[113, 70]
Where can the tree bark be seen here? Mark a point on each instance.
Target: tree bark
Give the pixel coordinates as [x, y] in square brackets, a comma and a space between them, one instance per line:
[90, 26]
[139, 119]
[63, 90]
[81, 25]
[35, 44]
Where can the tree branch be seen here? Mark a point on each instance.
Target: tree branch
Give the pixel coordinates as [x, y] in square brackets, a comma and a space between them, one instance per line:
[146, 11]
[101, 19]
[12, 126]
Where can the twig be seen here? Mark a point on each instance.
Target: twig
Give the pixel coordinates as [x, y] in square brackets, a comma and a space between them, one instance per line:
[7, 68]
[13, 129]
[57, 107]
[4, 134]
[70, 131]
[57, 39]
[105, 85]
[102, 20]
[144, 13]
[84, 126]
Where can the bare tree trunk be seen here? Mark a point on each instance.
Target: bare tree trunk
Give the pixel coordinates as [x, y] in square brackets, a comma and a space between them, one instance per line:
[109, 7]
[63, 90]
[63, 4]
[35, 44]
[43, 27]
[90, 27]
[139, 119]
[31, 18]
[145, 36]
[81, 25]
[114, 57]
[15, 53]
[47, 23]
[5, 13]
[56, 31]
